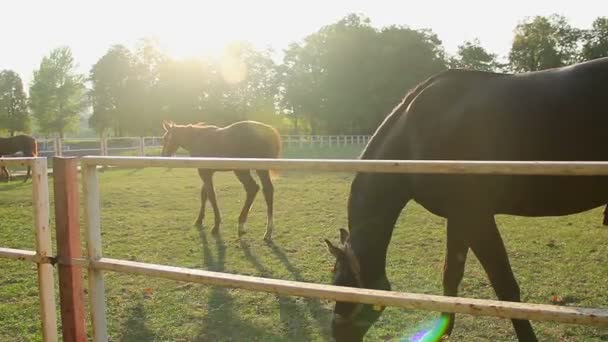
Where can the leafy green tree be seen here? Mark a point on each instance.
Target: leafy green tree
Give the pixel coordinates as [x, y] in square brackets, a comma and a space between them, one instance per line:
[346, 77]
[182, 89]
[241, 85]
[404, 58]
[471, 55]
[301, 77]
[144, 107]
[57, 93]
[110, 78]
[14, 115]
[596, 40]
[543, 43]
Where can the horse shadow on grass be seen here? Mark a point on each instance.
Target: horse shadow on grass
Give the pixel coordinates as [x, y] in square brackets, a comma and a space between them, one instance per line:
[222, 323]
[291, 310]
[135, 329]
[321, 314]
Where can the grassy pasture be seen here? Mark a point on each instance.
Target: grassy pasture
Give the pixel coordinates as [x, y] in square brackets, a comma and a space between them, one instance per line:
[147, 215]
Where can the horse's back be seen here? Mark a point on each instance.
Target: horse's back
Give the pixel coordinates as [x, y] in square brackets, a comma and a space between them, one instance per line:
[558, 114]
[18, 143]
[251, 139]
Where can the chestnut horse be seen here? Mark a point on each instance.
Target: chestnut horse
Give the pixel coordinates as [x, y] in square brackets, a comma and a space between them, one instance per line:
[19, 143]
[243, 139]
[553, 115]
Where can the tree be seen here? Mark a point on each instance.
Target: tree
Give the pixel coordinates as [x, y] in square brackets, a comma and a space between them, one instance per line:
[471, 55]
[14, 115]
[596, 40]
[543, 43]
[248, 81]
[57, 93]
[182, 89]
[144, 105]
[345, 78]
[110, 78]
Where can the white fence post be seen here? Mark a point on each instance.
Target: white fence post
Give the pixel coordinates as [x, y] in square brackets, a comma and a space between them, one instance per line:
[104, 143]
[97, 295]
[142, 146]
[44, 248]
[57, 146]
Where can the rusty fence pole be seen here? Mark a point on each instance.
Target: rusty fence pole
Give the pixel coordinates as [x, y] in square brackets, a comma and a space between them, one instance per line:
[65, 179]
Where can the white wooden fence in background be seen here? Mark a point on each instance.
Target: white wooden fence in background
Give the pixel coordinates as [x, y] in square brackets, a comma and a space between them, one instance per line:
[143, 146]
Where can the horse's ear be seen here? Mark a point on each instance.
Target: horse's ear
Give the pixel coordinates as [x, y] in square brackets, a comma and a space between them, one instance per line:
[344, 235]
[335, 251]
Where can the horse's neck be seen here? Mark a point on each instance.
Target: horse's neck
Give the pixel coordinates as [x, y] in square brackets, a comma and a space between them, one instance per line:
[193, 139]
[375, 203]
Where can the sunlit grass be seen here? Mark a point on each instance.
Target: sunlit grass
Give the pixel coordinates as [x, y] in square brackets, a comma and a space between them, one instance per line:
[147, 216]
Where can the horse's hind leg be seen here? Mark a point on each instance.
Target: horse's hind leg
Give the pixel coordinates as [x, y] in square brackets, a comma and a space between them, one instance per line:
[455, 259]
[268, 190]
[8, 174]
[207, 177]
[4, 171]
[201, 213]
[484, 239]
[251, 189]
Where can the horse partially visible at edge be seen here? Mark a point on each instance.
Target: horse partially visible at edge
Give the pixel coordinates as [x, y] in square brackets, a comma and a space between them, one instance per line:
[559, 114]
[243, 139]
[19, 143]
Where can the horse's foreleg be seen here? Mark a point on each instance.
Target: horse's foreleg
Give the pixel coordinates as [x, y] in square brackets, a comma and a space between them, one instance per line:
[268, 190]
[251, 190]
[484, 239]
[27, 174]
[455, 259]
[201, 213]
[4, 171]
[207, 177]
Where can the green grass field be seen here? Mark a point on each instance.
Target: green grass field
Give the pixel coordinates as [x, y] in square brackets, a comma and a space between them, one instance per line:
[147, 215]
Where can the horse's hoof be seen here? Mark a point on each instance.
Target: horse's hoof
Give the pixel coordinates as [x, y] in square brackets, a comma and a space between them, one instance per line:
[198, 224]
[268, 237]
[241, 229]
[215, 231]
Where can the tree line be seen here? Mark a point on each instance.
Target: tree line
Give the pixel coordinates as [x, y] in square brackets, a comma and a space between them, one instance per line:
[342, 79]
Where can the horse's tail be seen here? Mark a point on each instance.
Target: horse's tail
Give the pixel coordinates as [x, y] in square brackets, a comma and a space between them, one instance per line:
[33, 152]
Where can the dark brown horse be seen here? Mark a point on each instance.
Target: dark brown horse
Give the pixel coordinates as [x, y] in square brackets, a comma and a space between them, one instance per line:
[244, 139]
[19, 143]
[553, 115]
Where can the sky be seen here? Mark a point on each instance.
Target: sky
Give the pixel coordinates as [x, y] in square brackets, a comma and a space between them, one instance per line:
[32, 28]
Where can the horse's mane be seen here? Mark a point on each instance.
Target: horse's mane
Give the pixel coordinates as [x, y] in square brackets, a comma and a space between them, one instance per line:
[200, 124]
[385, 127]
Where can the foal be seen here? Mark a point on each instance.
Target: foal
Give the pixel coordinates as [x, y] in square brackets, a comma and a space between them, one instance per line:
[243, 139]
[19, 143]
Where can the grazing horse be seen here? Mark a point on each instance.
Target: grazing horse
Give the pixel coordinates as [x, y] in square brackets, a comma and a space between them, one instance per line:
[19, 143]
[243, 139]
[559, 114]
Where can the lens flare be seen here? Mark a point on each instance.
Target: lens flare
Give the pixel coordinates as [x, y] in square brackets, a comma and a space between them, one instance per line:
[431, 331]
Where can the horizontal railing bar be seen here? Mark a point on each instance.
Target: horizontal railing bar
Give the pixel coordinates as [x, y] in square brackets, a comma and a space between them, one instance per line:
[17, 161]
[17, 254]
[477, 307]
[561, 168]
[24, 255]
